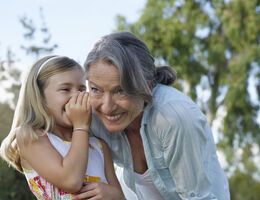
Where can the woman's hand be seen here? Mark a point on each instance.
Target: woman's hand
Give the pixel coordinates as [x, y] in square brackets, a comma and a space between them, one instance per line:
[98, 191]
[78, 110]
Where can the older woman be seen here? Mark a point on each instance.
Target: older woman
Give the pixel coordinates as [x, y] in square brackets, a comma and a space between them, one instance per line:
[157, 134]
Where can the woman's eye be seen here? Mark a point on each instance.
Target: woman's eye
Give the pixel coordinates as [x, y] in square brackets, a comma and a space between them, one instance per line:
[120, 94]
[82, 89]
[119, 91]
[94, 90]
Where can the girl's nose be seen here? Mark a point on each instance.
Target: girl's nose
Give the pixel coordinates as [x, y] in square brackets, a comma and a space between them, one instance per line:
[72, 93]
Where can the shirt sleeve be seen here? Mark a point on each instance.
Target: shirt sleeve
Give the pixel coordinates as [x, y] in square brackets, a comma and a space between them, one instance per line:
[181, 128]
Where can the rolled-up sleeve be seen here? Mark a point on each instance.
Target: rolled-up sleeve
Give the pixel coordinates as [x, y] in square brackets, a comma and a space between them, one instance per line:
[180, 127]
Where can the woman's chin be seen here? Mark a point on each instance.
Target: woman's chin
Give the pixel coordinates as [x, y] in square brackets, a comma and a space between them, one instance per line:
[114, 129]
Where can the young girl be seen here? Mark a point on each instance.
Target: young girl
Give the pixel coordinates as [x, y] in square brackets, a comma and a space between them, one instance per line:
[49, 140]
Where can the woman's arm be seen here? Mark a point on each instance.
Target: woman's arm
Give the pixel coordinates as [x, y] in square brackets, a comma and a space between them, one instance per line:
[185, 144]
[64, 172]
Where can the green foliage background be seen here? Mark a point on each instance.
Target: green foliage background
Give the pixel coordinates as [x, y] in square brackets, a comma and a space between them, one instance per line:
[13, 185]
[213, 45]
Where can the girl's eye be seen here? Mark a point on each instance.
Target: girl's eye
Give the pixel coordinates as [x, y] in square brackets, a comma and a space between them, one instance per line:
[65, 89]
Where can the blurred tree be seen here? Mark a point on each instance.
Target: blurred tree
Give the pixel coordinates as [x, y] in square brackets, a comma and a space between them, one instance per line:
[247, 188]
[10, 77]
[13, 184]
[36, 47]
[214, 45]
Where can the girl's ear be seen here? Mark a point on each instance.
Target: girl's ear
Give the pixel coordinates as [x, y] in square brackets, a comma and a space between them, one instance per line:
[44, 104]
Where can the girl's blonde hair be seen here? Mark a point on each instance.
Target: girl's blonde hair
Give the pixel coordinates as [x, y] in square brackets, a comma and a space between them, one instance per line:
[31, 113]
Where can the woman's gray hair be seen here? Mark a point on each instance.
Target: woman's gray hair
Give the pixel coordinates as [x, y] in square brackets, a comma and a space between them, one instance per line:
[138, 74]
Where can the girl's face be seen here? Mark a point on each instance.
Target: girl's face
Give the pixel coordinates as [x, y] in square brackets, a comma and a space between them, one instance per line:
[112, 105]
[58, 92]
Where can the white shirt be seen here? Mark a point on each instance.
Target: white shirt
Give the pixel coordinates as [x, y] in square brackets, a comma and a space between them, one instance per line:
[145, 188]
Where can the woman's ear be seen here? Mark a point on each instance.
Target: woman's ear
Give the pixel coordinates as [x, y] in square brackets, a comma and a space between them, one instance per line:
[151, 84]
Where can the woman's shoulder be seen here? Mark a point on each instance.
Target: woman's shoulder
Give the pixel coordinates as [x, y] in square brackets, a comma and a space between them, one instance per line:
[163, 94]
[171, 110]
[171, 103]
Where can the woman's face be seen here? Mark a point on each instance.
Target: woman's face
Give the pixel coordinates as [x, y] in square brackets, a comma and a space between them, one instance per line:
[58, 92]
[112, 105]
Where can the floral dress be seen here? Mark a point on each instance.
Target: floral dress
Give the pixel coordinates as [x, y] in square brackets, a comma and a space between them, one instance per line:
[44, 190]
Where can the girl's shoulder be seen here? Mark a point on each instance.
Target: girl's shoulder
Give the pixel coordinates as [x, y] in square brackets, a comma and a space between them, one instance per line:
[99, 143]
[96, 142]
[27, 133]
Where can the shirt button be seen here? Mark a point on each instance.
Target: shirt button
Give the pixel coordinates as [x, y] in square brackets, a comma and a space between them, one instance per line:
[192, 194]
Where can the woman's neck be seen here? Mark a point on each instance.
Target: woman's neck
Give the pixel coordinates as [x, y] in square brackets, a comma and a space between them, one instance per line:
[134, 127]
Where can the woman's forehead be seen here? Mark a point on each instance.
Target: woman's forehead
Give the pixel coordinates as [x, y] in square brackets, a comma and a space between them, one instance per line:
[103, 70]
[104, 76]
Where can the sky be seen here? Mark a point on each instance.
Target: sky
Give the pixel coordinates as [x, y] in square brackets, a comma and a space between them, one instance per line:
[74, 25]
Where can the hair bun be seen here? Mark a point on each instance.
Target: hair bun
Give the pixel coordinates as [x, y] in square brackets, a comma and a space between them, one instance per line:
[165, 75]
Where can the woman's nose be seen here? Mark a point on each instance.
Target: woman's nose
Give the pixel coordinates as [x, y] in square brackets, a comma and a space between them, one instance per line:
[108, 104]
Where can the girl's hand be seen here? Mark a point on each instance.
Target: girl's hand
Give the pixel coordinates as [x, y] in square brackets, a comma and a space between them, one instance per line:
[78, 110]
[98, 191]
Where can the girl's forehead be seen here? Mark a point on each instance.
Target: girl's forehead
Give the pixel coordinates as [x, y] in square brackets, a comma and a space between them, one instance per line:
[72, 76]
